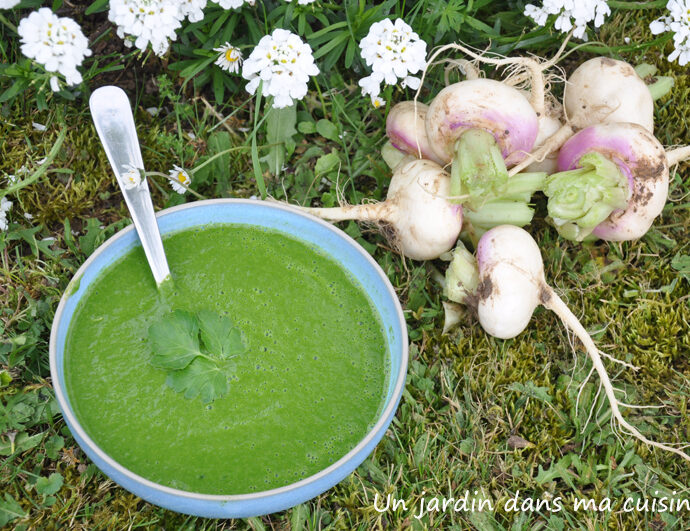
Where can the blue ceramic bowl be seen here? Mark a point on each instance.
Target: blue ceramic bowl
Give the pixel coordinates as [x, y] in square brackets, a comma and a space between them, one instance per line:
[307, 228]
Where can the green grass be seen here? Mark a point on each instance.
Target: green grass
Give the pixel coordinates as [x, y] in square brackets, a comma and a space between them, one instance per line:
[477, 414]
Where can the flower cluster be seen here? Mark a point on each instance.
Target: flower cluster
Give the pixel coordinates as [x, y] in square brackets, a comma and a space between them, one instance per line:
[5, 206]
[230, 58]
[571, 14]
[234, 4]
[393, 51]
[677, 21]
[55, 42]
[284, 63]
[193, 10]
[144, 22]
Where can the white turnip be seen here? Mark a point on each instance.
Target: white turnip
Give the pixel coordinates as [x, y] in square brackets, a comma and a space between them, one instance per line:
[512, 285]
[406, 130]
[416, 216]
[613, 183]
[603, 90]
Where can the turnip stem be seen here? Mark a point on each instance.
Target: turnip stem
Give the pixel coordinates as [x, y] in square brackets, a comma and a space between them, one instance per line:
[677, 155]
[365, 212]
[552, 143]
[554, 303]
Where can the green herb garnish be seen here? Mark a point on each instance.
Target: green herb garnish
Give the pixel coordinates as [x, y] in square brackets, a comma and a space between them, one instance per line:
[197, 350]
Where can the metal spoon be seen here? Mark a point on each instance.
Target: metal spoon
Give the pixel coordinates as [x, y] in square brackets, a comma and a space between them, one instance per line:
[112, 116]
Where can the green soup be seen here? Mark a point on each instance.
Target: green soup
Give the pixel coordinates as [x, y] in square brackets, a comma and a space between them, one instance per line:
[310, 385]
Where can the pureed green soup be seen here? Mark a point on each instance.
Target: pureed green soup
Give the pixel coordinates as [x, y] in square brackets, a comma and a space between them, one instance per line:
[308, 388]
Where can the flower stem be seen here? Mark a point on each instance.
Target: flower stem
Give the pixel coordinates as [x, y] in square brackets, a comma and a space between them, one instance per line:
[8, 23]
[41, 169]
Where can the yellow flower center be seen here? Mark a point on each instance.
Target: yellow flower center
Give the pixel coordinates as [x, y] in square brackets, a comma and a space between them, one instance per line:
[229, 57]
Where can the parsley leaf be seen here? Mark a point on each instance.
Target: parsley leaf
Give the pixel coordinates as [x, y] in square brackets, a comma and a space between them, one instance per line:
[196, 350]
[203, 377]
[219, 336]
[175, 340]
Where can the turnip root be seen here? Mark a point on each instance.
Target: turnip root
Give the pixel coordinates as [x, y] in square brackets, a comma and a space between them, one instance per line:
[482, 104]
[406, 130]
[613, 183]
[512, 285]
[416, 215]
[603, 90]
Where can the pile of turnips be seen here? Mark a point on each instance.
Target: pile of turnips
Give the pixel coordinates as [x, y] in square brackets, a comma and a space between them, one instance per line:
[468, 163]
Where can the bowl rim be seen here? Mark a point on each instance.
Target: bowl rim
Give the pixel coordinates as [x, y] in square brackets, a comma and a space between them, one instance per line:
[385, 416]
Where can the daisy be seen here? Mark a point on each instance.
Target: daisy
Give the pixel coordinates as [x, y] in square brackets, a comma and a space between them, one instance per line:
[178, 178]
[230, 58]
[131, 178]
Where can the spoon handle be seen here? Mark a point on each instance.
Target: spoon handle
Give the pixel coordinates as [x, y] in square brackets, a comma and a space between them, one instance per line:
[112, 116]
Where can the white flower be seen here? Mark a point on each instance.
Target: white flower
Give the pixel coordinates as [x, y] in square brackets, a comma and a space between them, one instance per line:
[38, 127]
[678, 22]
[5, 206]
[179, 177]
[131, 178]
[233, 4]
[377, 101]
[284, 63]
[393, 51]
[230, 58]
[303, 2]
[571, 14]
[8, 4]
[192, 9]
[55, 42]
[147, 21]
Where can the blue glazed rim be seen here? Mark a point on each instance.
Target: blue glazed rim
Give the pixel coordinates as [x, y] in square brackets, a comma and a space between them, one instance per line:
[328, 239]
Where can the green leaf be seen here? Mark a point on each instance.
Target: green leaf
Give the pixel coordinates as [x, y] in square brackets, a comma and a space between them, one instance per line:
[175, 340]
[280, 127]
[306, 128]
[54, 445]
[10, 510]
[327, 129]
[203, 377]
[681, 263]
[326, 163]
[21, 443]
[196, 350]
[49, 485]
[219, 336]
